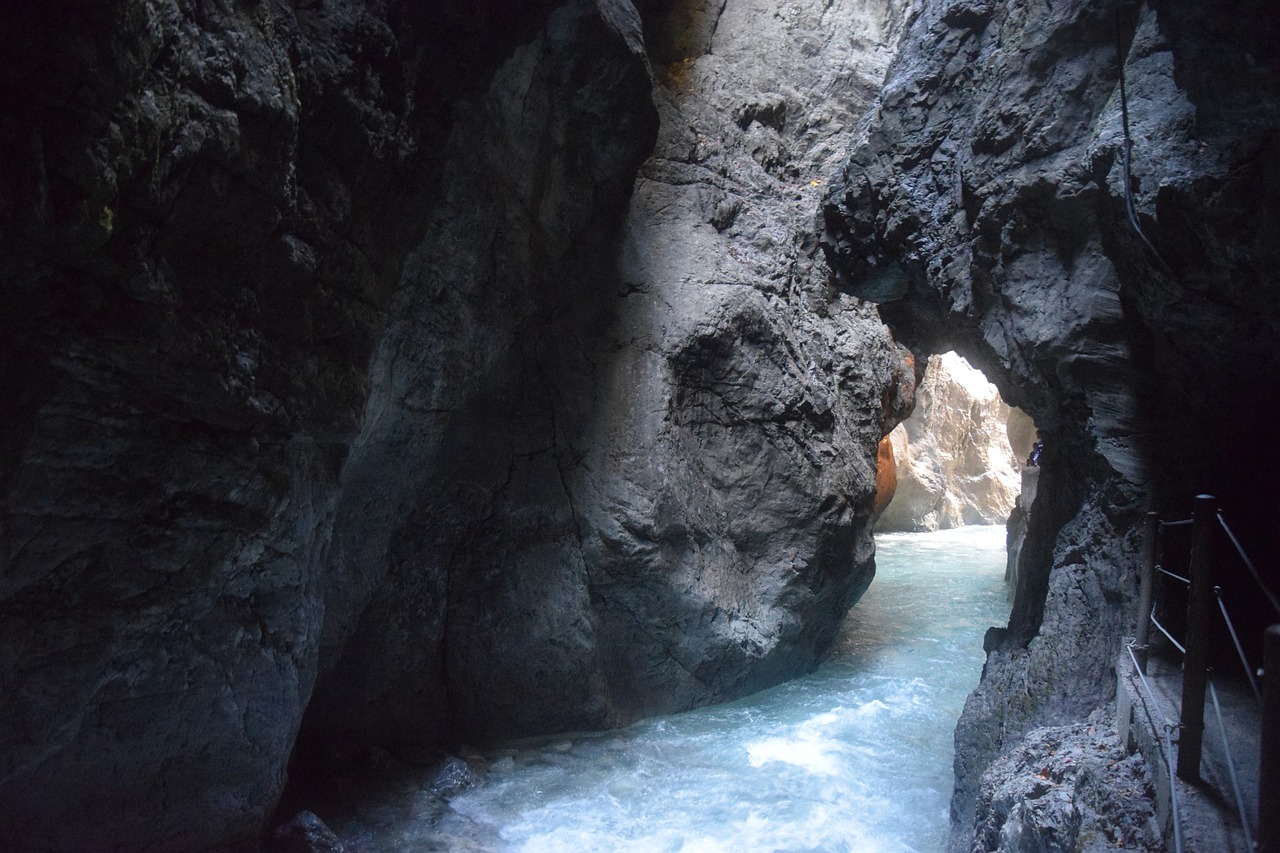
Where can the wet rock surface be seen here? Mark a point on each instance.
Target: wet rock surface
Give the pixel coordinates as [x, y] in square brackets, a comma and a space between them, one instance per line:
[1069, 788]
[986, 212]
[306, 833]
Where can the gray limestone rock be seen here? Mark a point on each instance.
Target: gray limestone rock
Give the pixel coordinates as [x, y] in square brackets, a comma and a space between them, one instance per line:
[340, 339]
[986, 209]
[1070, 789]
[640, 480]
[480, 359]
[453, 585]
[203, 211]
[305, 833]
[452, 777]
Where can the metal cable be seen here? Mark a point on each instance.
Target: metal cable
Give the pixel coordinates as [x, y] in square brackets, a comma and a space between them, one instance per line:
[1176, 644]
[1162, 570]
[1231, 769]
[1153, 709]
[1253, 570]
[1180, 523]
[1145, 685]
[1244, 661]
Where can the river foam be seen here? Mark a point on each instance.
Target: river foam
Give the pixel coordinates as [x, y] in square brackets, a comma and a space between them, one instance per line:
[854, 757]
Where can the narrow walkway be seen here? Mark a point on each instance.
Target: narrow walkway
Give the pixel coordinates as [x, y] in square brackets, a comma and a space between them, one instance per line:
[1208, 815]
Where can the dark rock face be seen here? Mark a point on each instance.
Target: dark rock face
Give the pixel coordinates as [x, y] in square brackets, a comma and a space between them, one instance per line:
[306, 833]
[320, 359]
[205, 210]
[457, 527]
[986, 210]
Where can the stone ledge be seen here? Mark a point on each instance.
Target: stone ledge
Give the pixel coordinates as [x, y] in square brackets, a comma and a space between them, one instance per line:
[1207, 815]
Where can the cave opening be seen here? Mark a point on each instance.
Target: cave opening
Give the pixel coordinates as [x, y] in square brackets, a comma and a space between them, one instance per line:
[963, 457]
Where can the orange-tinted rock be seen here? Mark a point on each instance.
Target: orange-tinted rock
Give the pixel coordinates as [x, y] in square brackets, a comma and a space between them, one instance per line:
[886, 475]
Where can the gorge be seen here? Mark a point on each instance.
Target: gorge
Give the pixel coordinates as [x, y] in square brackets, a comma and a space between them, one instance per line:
[387, 376]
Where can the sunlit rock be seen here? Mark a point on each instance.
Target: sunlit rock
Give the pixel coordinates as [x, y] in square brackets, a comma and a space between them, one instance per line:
[955, 465]
[886, 475]
[1022, 433]
[619, 457]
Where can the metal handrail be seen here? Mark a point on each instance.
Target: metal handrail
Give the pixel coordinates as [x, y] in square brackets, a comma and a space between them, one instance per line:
[1168, 636]
[1152, 709]
[1195, 667]
[1244, 661]
[1162, 570]
[1231, 769]
[1217, 708]
[1253, 570]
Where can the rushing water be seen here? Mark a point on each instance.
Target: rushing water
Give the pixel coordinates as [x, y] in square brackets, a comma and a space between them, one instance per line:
[855, 757]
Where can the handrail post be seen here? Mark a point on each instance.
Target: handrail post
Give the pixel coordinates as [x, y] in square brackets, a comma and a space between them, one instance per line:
[1269, 766]
[1196, 663]
[1142, 635]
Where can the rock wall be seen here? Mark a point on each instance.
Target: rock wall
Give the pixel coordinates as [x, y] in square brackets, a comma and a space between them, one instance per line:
[454, 585]
[986, 211]
[204, 209]
[953, 457]
[206, 212]
[643, 482]
[339, 341]
[476, 361]
[1068, 788]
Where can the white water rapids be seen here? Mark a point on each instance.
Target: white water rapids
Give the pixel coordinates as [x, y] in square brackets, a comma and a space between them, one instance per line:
[855, 757]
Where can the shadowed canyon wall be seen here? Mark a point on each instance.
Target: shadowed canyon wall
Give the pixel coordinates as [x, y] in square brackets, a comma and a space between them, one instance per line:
[359, 347]
[414, 372]
[986, 212]
[206, 208]
[202, 221]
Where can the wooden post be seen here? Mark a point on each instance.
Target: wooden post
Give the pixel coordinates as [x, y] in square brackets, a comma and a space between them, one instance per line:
[1269, 766]
[1196, 664]
[1142, 634]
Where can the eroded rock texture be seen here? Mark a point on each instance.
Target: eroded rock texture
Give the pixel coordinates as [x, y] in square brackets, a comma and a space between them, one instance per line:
[986, 211]
[339, 340]
[196, 244]
[953, 457]
[454, 586]
[638, 483]
[206, 208]
[1068, 788]
[775, 391]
